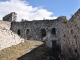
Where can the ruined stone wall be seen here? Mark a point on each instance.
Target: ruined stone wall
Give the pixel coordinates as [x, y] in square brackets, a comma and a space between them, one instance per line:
[70, 37]
[35, 27]
[67, 34]
[5, 24]
[10, 17]
[8, 38]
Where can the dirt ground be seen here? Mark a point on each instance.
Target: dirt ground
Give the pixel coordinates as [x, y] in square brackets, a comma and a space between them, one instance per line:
[16, 51]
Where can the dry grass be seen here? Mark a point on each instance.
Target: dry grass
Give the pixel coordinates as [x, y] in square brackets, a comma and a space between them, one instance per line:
[13, 52]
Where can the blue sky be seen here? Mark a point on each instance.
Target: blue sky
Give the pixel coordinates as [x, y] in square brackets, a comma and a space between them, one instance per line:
[30, 9]
[58, 7]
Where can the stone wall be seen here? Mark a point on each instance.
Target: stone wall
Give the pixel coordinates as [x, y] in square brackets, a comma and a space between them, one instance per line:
[10, 17]
[66, 35]
[8, 38]
[70, 37]
[31, 30]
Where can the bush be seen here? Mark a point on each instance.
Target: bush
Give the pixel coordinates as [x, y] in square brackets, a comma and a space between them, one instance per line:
[65, 21]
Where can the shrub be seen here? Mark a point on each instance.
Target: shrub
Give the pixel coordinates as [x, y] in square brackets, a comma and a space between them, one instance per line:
[65, 21]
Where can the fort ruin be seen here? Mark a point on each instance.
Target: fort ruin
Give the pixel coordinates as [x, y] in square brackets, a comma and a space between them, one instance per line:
[53, 32]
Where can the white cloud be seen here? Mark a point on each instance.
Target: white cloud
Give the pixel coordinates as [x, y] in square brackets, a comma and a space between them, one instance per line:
[23, 10]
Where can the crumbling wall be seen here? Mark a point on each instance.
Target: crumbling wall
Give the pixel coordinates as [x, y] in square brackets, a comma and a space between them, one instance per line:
[10, 17]
[8, 38]
[31, 30]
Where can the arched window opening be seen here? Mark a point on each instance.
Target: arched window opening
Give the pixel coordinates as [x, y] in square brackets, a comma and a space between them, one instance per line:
[43, 31]
[71, 31]
[53, 31]
[27, 31]
[18, 32]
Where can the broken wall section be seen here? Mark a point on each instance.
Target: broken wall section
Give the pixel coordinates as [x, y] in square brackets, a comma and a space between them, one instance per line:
[10, 17]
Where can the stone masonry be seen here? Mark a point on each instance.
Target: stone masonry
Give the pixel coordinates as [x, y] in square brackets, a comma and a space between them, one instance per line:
[70, 37]
[8, 38]
[10, 17]
[5, 24]
[52, 32]
[42, 30]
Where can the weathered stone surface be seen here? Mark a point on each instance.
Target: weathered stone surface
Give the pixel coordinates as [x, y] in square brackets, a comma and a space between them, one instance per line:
[8, 38]
[35, 27]
[5, 24]
[66, 35]
[70, 44]
[10, 17]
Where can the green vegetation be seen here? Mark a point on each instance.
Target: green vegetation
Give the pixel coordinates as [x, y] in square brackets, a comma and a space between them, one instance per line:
[65, 21]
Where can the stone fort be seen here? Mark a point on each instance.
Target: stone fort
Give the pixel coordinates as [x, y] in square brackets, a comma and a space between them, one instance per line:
[54, 32]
